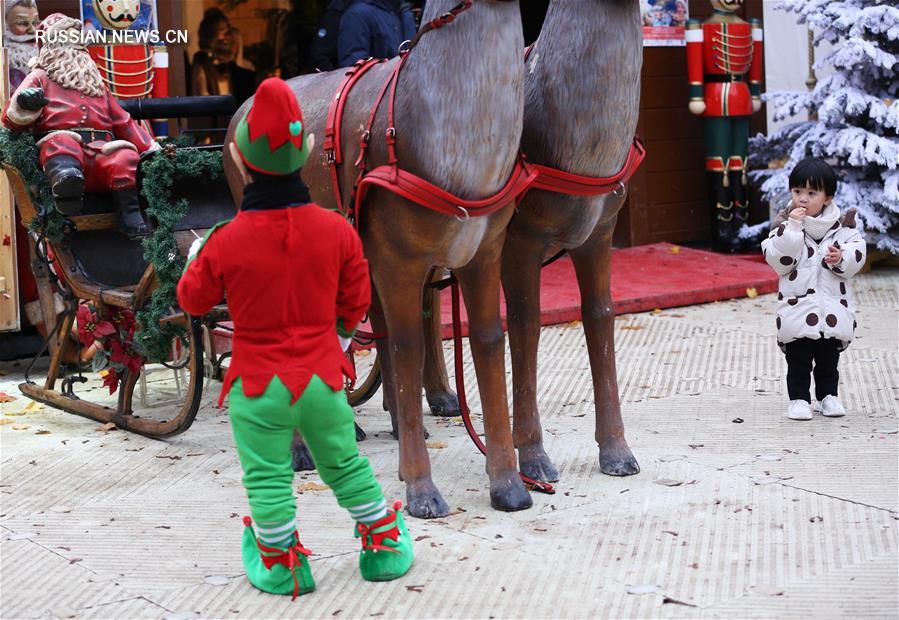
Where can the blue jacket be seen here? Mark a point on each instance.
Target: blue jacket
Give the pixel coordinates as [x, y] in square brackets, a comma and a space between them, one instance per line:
[373, 28]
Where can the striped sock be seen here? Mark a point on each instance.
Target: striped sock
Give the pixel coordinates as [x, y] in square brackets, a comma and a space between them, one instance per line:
[277, 535]
[369, 513]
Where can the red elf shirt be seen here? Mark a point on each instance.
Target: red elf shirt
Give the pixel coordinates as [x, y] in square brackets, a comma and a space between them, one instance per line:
[288, 275]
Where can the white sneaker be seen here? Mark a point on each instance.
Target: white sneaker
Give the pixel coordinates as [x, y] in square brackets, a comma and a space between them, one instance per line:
[831, 407]
[799, 410]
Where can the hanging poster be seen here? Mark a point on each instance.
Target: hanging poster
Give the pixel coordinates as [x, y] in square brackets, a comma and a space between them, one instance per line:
[664, 22]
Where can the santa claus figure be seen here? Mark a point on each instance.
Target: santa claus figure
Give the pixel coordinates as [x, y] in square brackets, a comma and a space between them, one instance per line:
[20, 20]
[87, 141]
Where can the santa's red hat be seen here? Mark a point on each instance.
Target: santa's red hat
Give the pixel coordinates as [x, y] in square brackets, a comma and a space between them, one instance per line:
[53, 25]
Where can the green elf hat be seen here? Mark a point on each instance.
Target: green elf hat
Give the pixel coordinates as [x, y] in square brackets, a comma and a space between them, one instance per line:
[270, 138]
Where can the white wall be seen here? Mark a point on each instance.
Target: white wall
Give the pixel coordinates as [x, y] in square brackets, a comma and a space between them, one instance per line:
[786, 55]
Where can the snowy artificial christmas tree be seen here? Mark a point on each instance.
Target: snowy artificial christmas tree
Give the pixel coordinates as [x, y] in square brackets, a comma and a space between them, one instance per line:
[854, 122]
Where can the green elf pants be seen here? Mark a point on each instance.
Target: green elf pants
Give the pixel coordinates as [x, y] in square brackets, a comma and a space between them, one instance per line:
[263, 429]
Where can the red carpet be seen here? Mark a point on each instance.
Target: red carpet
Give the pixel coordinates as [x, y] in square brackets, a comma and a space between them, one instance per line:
[646, 277]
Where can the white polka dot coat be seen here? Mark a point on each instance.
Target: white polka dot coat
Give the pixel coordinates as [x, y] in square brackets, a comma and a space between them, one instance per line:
[814, 299]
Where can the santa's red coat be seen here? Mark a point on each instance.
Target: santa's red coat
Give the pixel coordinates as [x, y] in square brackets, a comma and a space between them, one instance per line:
[108, 165]
[288, 275]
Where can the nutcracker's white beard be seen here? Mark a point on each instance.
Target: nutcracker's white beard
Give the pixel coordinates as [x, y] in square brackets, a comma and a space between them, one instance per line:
[71, 67]
[20, 53]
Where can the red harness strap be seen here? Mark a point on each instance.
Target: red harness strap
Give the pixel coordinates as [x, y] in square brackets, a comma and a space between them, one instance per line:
[562, 182]
[390, 176]
[331, 145]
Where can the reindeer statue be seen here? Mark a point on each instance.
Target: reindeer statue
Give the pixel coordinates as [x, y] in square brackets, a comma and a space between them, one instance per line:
[454, 117]
[582, 91]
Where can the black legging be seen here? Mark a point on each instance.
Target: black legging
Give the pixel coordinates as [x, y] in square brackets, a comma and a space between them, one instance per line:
[825, 352]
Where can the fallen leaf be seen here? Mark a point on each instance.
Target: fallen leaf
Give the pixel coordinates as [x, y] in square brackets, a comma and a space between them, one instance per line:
[170, 457]
[656, 311]
[816, 519]
[674, 601]
[33, 406]
[21, 427]
[312, 486]
[418, 538]
[632, 327]
[415, 588]
[737, 420]
[674, 249]
[436, 445]
[6, 398]
[44, 432]
[217, 580]
[109, 426]
[751, 293]
[5, 421]
[643, 589]
[163, 527]
[73, 560]
[696, 445]
[892, 432]
[672, 532]
[668, 482]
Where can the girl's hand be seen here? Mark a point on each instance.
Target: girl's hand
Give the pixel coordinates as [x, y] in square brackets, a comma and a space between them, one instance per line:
[798, 214]
[833, 256]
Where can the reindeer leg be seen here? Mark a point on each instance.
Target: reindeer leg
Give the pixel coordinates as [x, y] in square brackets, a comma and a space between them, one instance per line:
[401, 298]
[480, 285]
[388, 386]
[441, 398]
[593, 265]
[522, 260]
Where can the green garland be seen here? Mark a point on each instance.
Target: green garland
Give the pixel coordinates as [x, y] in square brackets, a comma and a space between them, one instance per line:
[20, 151]
[152, 340]
[159, 174]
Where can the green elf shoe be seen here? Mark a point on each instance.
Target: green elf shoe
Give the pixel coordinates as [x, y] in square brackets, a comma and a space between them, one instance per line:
[386, 547]
[277, 571]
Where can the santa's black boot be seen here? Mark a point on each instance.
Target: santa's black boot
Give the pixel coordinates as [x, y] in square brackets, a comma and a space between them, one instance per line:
[66, 179]
[127, 208]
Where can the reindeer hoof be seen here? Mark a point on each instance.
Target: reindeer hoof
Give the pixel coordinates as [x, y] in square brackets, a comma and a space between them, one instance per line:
[510, 495]
[424, 501]
[300, 458]
[444, 404]
[539, 467]
[617, 460]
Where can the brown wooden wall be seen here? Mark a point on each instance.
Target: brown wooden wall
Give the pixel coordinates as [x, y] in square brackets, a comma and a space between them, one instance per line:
[668, 198]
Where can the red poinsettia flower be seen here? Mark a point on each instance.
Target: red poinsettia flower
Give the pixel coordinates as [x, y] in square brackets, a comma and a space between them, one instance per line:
[120, 354]
[111, 380]
[123, 319]
[91, 326]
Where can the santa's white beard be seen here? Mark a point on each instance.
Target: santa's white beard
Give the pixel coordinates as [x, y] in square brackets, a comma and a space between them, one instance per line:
[71, 67]
[20, 54]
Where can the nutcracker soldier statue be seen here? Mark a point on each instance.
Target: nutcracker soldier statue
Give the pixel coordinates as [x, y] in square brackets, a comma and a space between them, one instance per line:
[87, 141]
[130, 70]
[724, 67]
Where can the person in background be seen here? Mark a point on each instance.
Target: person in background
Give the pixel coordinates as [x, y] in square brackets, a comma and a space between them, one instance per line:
[210, 76]
[20, 20]
[323, 53]
[373, 29]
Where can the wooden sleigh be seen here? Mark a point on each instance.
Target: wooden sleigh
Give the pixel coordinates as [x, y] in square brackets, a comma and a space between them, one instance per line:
[94, 263]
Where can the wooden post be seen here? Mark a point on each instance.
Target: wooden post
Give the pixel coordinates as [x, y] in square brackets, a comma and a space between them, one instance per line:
[9, 279]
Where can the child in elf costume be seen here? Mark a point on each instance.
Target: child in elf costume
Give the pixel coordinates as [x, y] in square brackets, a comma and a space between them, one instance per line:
[297, 285]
